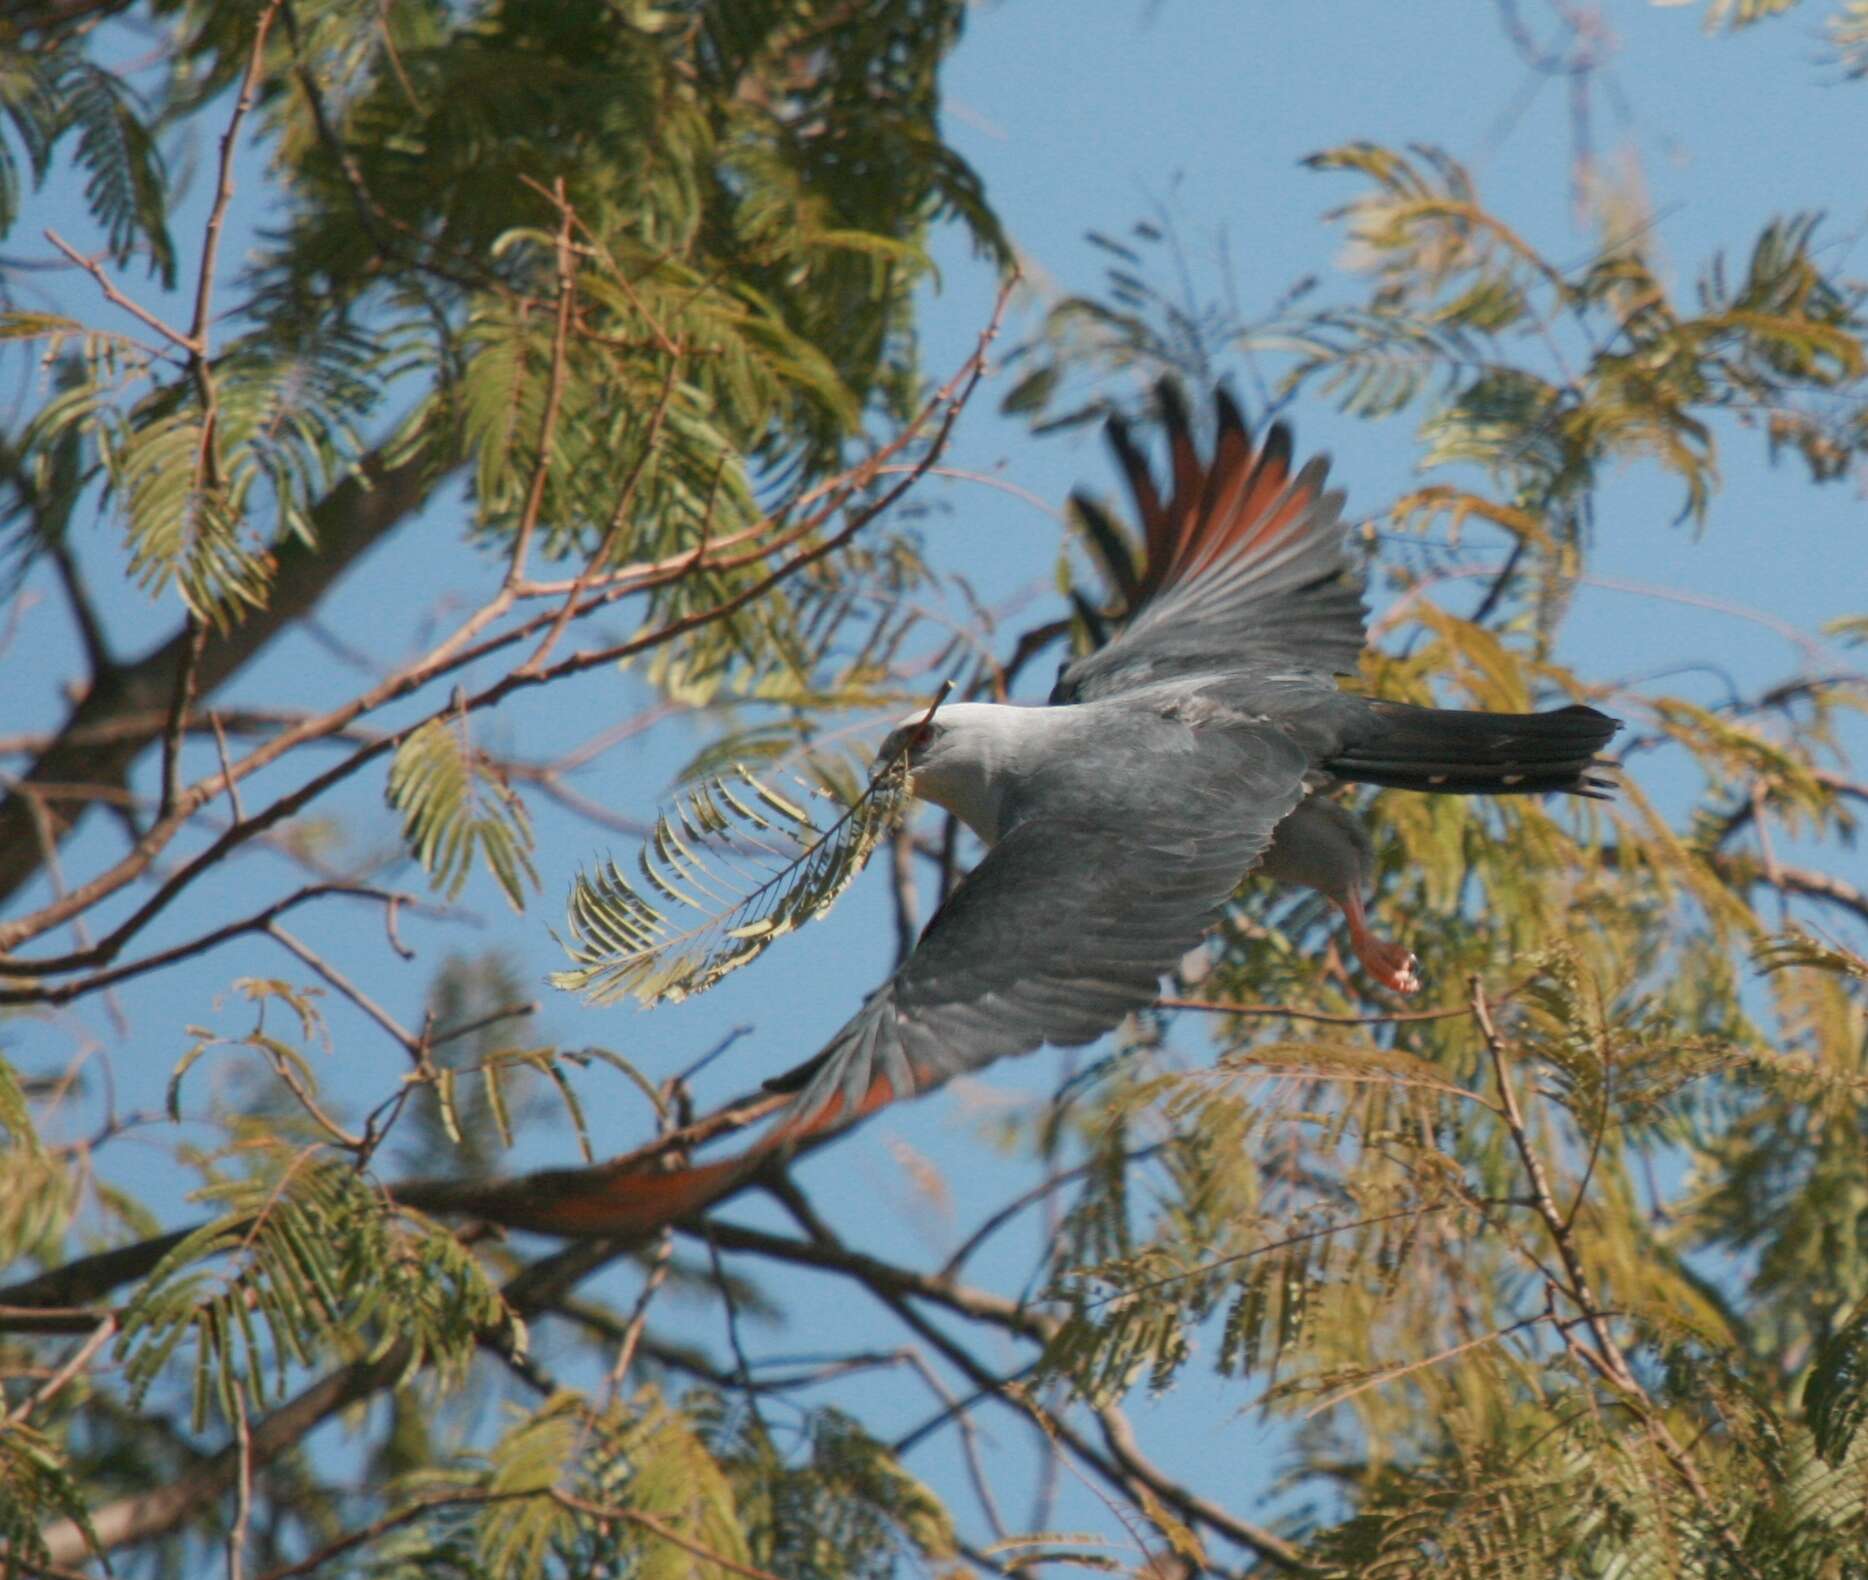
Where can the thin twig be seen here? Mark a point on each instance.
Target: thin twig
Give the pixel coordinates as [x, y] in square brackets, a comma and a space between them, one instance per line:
[902, 891]
[1119, 1461]
[64, 993]
[84, 614]
[224, 187]
[673, 1110]
[619, 517]
[639, 1316]
[1407, 1368]
[407, 1039]
[243, 1490]
[180, 702]
[1045, 1188]
[55, 1384]
[468, 1028]
[960, 1413]
[112, 295]
[743, 1369]
[1286, 1012]
[1562, 1239]
[554, 389]
[1605, 1357]
[656, 1527]
[350, 1541]
[233, 785]
[1496, 591]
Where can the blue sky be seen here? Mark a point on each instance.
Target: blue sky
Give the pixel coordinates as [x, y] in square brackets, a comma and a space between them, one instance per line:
[1080, 118]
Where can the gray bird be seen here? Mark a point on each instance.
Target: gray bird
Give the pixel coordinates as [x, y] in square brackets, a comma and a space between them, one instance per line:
[1119, 819]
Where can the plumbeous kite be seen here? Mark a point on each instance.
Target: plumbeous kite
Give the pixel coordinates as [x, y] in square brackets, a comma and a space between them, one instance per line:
[1119, 819]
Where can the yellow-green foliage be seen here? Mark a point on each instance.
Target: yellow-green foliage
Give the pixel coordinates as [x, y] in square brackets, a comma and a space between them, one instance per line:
[455, 804]
[1561, 1272]
[317, 1266]
[745, 860]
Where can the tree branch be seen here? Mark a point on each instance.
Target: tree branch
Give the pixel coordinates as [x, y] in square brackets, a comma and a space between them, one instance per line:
[946, 404]
[894, 1286]
[98, 742]
[259, 922]
[143, 1516]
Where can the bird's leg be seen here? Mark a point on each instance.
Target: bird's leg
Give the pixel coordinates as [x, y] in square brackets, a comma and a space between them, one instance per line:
[1322, 846]
[1391, 964]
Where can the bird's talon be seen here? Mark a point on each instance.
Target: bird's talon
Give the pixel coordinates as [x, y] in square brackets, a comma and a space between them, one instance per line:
[1393, 965]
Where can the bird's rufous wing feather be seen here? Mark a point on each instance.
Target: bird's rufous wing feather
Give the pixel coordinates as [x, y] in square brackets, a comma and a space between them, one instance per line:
[1249, 569]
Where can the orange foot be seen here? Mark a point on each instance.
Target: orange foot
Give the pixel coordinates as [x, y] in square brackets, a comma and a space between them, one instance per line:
[1390, 964]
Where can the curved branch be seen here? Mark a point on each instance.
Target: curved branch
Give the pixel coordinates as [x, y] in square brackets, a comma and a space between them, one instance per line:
[259, 922]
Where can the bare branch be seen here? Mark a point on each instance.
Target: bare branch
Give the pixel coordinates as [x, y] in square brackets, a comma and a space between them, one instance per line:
[406, 1038]
[74, 1365]
[115, 297]
[142, 1516]
[83, 613]
[554, 389]
[259, 922]
[895, 1286]
[95, 748]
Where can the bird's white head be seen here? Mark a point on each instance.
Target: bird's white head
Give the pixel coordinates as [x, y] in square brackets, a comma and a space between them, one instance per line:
[961, 758]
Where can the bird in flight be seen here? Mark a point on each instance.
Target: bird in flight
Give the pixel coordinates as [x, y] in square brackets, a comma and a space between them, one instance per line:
[1184, 754]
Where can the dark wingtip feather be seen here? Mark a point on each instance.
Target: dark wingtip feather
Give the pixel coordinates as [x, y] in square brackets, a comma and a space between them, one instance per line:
[1276, 450]
[1173, 405]
[1091, 617]
[1111, 546]
[1186, 470]
[1134, 468]
[1230, 416]
[1128, 457]
[1465, 753]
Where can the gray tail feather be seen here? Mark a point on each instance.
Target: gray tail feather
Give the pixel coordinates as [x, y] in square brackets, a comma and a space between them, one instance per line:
[1460, 753]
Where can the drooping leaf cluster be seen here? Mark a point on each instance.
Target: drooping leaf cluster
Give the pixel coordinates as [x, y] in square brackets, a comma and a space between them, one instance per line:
[735, 867]
[645, 1487]
[317, 1267]
[58, 103]
[454, 804]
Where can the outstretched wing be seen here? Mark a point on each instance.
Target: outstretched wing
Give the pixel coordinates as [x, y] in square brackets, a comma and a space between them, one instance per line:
[1067, 925]
[1248, 569]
